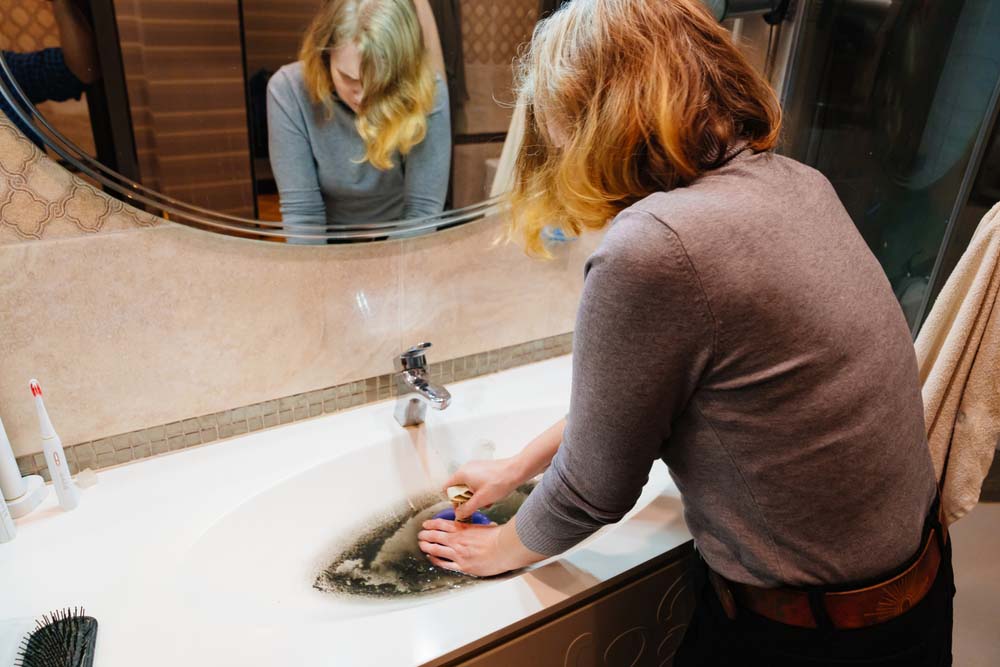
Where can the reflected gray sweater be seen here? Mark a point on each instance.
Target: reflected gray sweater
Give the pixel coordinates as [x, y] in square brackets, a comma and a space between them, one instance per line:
[740, 330]
[314, 160]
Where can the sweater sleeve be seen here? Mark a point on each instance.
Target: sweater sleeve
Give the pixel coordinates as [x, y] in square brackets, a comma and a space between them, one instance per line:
[644, 336]
[428, 165]
[292, 159]
[44, 75]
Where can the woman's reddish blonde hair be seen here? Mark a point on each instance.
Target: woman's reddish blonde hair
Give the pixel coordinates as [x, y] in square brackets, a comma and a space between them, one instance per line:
[395, 71]
[643, 95]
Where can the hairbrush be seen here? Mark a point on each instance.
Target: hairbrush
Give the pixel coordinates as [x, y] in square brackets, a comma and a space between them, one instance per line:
[64, 638]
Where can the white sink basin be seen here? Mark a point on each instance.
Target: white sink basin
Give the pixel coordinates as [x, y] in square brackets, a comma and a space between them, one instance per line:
[259, 562]
[208, 556]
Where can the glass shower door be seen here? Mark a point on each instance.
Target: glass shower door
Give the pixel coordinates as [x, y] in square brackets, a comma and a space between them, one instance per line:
[892, 100]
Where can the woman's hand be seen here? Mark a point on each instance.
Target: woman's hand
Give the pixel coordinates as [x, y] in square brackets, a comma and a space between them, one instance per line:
[490, 481]
[462, 547]
[482, 551]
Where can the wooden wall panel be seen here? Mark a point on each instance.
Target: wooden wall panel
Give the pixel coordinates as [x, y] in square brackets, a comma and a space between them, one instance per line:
[273, 31]
[184, 71]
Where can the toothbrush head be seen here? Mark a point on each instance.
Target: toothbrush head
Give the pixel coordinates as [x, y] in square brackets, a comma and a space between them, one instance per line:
[36, 389]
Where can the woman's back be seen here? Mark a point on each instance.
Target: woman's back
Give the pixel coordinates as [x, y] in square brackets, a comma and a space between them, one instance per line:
[733, 323]
[808, 403]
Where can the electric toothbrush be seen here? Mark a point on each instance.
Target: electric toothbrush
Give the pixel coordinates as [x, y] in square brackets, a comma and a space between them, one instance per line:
[55, 458]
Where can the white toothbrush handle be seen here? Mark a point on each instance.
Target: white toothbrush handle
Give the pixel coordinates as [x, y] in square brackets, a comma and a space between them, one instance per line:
[66, 490]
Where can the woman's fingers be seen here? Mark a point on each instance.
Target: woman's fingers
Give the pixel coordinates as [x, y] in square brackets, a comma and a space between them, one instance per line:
[436, 536]
[477, 501]
[442, 525]
[443, 564]
[437, 550]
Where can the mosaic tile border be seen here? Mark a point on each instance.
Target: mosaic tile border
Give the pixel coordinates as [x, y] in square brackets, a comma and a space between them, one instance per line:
[206, 429]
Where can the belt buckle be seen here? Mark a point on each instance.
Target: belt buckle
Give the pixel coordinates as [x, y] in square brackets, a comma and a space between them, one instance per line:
[724, 593]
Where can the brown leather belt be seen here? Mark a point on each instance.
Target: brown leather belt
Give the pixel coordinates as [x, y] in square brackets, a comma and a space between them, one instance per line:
[845, 610]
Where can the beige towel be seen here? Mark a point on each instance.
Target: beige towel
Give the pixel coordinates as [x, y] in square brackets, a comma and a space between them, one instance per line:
[958, 350]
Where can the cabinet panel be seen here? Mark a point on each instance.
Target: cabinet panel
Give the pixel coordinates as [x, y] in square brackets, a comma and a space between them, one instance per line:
[637, 625]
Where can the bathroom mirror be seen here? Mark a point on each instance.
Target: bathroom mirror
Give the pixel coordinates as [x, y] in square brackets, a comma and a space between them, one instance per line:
[303, 121]
[299, 121]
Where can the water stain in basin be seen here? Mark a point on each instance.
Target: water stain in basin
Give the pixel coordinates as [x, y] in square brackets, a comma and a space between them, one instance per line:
[387, 562]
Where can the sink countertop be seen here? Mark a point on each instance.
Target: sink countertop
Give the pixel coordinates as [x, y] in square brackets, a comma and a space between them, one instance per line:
[117, 553]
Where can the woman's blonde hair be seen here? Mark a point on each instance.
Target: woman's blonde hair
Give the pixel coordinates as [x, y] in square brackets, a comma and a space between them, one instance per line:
[395, 71]
[648, 96]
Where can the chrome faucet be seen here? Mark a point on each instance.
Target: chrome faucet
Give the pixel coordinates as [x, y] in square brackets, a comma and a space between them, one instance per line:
[414, 389]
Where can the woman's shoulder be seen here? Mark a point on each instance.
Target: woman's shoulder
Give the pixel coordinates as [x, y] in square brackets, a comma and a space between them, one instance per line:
[288, 81]
[642, 243]
[749, 183]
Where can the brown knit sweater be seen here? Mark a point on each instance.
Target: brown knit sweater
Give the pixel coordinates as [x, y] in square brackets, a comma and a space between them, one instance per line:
[740, 330]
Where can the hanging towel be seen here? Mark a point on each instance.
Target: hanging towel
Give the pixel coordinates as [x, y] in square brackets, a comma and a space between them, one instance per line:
[958, 351]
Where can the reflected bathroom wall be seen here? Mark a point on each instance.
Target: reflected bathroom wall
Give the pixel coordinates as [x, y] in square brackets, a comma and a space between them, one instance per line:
[272, 34]
[29, 26]
[889, 98]
[184, 72]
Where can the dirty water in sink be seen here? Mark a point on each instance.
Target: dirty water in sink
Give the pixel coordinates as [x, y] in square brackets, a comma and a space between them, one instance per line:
[387, 563]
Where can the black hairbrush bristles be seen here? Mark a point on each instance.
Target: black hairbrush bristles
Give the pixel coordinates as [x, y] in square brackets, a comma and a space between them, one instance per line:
[62, 639]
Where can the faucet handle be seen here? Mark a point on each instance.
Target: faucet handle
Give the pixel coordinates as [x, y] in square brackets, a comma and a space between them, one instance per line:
[414, 358]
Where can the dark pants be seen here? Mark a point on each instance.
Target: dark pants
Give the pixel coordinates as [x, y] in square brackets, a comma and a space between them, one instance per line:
[919, 638]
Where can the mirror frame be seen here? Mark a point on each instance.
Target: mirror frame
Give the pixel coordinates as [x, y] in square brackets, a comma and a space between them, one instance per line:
[198, 217]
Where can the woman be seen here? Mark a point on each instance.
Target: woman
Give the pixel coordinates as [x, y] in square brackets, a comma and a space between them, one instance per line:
[358, 128]
[733, 324]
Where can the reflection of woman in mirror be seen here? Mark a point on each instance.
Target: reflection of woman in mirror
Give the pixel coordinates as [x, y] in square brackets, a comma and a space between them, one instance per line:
[359, 129]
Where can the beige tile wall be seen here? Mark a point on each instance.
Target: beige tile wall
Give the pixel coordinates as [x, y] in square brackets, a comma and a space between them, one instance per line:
[153, 326]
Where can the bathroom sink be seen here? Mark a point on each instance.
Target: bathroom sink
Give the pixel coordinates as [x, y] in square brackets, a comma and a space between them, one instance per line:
[252, 572]
[259, 562]
[208, 556]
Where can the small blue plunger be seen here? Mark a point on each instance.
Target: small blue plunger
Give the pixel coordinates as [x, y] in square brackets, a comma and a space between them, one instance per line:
[476, 518]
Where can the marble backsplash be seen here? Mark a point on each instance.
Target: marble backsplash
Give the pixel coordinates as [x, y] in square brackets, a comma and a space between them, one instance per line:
[206, 429]
[146, 327]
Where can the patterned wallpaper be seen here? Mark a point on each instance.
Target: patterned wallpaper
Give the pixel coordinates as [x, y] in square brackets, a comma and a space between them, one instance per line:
[492, 31]
[27, 25]
[39, 199]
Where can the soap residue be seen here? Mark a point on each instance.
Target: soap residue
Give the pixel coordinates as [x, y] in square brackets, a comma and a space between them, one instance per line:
[386, 561]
